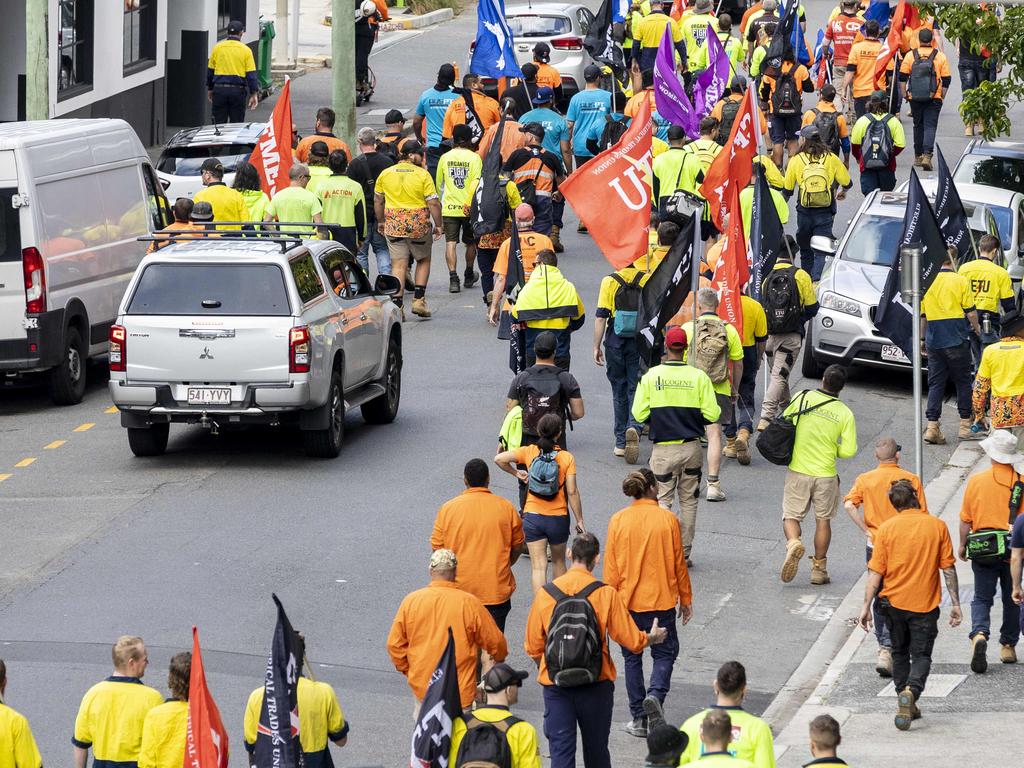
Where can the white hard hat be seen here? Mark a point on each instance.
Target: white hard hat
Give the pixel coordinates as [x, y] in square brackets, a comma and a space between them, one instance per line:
[368, 8]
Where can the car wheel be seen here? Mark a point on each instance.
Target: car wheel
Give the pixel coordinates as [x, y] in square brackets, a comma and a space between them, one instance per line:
[809, 365]
[384, 409]
[149, 441]
[326, 443]
[67, 380]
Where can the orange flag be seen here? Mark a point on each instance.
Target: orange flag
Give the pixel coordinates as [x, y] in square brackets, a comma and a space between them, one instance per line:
[734, 166]
[678, 6]
[206, 741]
[732, 270]
[612, 193]
[273, 154]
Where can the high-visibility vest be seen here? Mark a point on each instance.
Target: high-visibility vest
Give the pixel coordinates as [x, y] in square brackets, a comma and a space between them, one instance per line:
[547, 300]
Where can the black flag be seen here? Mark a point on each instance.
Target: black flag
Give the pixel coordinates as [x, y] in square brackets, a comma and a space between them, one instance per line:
[515, 279]
[489, 212]
[893, 317]
[765, 233]
[442, 704]
[781, 41]
[664, 291]
[472, 117]
[949, 210]
[601, 40]
[277, 736]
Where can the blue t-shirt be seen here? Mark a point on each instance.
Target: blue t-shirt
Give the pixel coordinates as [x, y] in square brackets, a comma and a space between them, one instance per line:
[587, 111]
[432, 106]
[1017, 537]
[556, 130]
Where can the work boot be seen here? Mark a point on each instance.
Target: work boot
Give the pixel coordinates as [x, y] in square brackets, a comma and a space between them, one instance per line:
[933, 434]
[1007, 654]
[620, 452]
[419, 308]
[794, 554]
[926, 162]
[743, 446]
[979, 645]
[715, 492]
[636, 727]
[967, 432]
[556, 239]
[918, 160]
[453, 283]
[654, 711]
[730, 448]
[469, 278]
[632, 451]
[762, 425]
[905, 706]
[819, 575]
[883, 665]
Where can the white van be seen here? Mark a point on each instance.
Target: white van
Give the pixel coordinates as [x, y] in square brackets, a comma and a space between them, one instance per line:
[75, 196]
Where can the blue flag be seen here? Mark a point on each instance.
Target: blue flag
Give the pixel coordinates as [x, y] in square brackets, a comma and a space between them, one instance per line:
[879, 11]
[494, 53]
[799, 43]
[620, 10]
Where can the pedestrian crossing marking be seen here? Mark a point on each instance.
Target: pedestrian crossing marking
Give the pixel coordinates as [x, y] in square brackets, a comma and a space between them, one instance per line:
[54, 444]
[24, 463]
[382, 112]
[939, 687]
[84, 427]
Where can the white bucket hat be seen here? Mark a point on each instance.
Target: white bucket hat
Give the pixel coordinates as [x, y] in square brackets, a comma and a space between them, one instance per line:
[1001, 447]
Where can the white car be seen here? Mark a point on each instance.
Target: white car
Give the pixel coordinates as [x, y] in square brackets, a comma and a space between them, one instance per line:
[179, 163]
[232, 330]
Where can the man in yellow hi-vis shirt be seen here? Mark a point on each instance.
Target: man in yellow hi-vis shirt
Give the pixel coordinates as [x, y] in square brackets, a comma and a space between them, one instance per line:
[694, 28]
[647, 34]
[231, 77]
[992, 289]
[17, 745]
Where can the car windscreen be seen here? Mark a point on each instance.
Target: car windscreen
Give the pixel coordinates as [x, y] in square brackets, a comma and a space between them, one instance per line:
[1001, 172]
[186, 161]
[874, 240]
[211, 289]
[538, 26]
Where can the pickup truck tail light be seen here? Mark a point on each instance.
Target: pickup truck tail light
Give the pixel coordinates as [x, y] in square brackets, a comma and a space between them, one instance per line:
[298, 350]
[35, 281]
[567, 44]
[118, 349]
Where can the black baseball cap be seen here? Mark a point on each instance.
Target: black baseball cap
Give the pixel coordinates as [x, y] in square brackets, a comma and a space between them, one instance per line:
[535, 129]
[592, 73]
[501, 676]
[319, 149]
[235, 27]
[545, 343]
[393, 117]
[211, 165]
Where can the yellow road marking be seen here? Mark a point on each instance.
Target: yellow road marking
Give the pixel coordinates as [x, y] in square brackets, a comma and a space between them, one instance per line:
[54, 444]
[111, 409]
[84, 427]
[3, 477]
[24, 463]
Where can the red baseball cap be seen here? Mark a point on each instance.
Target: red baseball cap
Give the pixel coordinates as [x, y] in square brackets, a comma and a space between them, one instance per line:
[675, 338]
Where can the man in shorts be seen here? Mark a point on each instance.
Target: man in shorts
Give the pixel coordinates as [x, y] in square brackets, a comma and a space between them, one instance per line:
[458, 172]
[825, 431]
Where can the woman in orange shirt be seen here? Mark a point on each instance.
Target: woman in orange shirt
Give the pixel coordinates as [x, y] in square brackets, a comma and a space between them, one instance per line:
[546, 519]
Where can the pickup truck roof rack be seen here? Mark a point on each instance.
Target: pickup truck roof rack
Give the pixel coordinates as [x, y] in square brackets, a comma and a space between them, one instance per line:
[246, 230]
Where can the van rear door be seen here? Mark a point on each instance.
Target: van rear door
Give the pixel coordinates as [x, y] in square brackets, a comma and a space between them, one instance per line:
[12, 280]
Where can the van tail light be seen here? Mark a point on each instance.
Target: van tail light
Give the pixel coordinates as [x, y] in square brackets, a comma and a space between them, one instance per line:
[118, 349]
[35, 281]
[567, 44]
[298, 350]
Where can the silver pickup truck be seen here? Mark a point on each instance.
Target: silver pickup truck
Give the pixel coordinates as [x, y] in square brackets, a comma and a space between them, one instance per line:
[222, 331]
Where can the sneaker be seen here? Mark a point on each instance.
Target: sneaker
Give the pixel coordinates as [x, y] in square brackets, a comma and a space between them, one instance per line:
[453, 284]
[619, 451]
[469, 278]
[636, 727]
[979, 645]
[1007, 654]
[632, 450]
[794, 554]
[419, 308]
[654, 713]
[715, 492]
[883, 665]
[905, 709]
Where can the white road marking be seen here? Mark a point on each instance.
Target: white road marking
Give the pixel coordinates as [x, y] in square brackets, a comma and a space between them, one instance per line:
[816, 607]
[939, 687]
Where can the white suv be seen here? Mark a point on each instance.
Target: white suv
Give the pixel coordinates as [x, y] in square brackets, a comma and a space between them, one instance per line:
[226, 330]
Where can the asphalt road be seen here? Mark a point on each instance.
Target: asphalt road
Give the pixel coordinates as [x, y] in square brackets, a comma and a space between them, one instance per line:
[97, 543]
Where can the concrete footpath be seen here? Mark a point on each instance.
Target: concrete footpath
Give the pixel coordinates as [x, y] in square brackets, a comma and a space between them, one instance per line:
[966, 717]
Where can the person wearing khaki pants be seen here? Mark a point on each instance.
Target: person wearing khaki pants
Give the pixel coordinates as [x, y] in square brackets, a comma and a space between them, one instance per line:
[677, 468]
[782, 351]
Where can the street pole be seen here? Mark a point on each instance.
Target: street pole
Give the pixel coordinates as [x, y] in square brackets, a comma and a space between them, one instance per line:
[343, 69]
[281, 34]
[295, 32]
[37, 61]
[910, 288]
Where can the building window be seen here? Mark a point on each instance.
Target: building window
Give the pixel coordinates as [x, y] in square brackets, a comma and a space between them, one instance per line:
[139, 33]
[228, 11]
[75, 47]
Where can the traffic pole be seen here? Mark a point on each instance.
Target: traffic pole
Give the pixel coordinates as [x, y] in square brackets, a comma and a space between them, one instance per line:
[37, 60]
[281, 39]
[910, 288]
[343, 69]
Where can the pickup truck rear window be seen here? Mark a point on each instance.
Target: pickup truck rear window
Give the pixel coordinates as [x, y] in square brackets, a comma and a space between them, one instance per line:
[211, 289]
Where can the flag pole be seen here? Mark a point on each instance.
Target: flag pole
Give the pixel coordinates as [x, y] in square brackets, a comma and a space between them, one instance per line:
[910, 287]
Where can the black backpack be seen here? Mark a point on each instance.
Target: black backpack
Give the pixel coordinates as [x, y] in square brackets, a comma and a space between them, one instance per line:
[485, 745]
[542, 395]
[730, 109]
[922, 83]
[780, 296]
[786, 98]
[573, 647]
[776, 441]
[876, 148]
[528, 187]
[827, 124]
[627, 305]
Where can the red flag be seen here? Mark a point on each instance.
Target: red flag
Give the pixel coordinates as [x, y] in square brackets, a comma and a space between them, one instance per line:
[734, 166]
[206, 741]
[678, 6]
[891, 44]
[732, 270]
[273, 154]
[612, 193]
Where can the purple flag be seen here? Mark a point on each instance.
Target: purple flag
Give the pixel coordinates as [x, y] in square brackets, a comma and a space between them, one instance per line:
[712, 83]
[669, 96]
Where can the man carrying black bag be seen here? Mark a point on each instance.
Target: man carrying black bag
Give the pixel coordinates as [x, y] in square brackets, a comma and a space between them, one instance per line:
[825, 431]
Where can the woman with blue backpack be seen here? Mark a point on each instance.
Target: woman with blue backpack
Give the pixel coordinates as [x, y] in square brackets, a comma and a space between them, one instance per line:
[551, 491]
